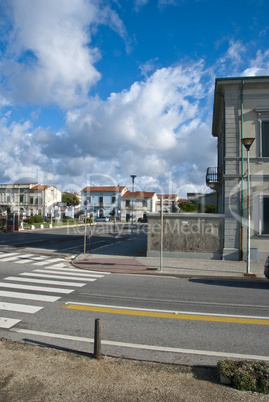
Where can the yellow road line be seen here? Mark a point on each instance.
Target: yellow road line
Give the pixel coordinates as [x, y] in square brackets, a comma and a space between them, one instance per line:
[176, 316]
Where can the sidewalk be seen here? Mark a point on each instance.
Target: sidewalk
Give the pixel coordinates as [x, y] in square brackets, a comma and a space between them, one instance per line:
[129, 257]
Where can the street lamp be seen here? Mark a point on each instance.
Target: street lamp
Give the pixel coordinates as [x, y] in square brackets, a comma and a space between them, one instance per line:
[247, 142]
[133, 176]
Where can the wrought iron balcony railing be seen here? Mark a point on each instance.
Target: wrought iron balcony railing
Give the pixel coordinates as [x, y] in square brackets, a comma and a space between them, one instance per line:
[213, 176]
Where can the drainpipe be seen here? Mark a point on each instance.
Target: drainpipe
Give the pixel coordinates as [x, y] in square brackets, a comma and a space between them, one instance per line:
[242, 174]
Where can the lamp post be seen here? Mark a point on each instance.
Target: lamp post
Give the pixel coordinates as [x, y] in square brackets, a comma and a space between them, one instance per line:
[247, 142]
[19, 190]
[133, 176]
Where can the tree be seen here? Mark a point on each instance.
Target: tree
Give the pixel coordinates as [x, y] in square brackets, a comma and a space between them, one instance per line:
[188, 207]
[70, 199]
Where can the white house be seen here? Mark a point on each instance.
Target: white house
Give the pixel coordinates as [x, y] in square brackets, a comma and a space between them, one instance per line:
[102, 200]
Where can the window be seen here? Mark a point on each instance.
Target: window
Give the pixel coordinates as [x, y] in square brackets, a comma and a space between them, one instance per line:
[265, 139]
[101, 200]
[89, 199]
[31, 200]
[113, 200]
[265, 215]
[21, 198]
[127, 203]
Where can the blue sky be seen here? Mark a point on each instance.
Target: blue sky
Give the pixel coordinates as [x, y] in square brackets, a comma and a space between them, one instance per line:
[92, 91]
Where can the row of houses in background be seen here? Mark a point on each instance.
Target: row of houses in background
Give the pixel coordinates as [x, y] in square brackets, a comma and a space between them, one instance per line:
[29, 199]
[119, 201]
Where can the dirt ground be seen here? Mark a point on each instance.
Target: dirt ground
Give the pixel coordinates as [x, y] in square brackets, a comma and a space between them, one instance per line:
[33, 373]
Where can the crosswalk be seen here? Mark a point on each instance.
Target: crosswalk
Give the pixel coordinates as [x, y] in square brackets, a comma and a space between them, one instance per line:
[49, 279]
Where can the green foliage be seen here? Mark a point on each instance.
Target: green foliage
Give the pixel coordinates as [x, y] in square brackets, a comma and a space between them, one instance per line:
[70, 199]
[208, 208]
[246, 375]
[35, 219]
[30, 220]
[38, 219]
[188, 207]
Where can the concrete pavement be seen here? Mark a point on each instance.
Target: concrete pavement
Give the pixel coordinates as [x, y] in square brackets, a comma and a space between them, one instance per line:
[129, 257]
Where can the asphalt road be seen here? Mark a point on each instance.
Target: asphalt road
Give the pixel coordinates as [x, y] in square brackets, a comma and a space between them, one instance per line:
[68, 240]
[163, 319]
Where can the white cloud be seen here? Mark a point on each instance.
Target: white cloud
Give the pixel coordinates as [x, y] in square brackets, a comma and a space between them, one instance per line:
[259, 65]
[50, 57]
[148, 129]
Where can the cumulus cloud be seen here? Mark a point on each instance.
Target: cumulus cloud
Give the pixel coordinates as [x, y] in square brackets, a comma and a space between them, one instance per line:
[148, 129]
[50, 57]
[259, 65]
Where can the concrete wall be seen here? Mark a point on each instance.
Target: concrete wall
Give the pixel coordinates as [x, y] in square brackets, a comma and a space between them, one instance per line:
[186, 235]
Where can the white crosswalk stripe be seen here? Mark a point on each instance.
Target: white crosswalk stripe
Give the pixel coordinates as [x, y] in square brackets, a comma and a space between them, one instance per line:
[21, 308]
[43, 281]
[88, 273]
[8, 322]
[29, 296]
[74, 278]
[48, 261]
[3, 255]
[36, 288]
[53, 271]
[66, 272]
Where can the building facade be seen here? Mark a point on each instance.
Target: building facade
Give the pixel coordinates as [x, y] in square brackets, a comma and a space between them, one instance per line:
[170, 202]
[140, 202]
[103, 200]
[241, 110]
[29, 199]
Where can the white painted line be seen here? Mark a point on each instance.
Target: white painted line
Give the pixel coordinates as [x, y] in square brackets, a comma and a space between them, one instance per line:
[145, 347]
[73, 278]
[20, 258]
[28, 296]
[37, 288]
[20, 308]
[81, 271]
[45, 282]
[73, 271]
[86, 275]
[23, 261]
[9, 259]
[8, 254]
[8, 322]
[170, 311]
[61, 265]
[48, 261]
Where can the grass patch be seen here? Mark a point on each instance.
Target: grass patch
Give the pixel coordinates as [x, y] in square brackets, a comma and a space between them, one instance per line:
[246, 375]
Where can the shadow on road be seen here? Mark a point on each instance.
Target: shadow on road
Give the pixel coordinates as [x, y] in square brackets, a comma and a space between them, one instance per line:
[235, 283]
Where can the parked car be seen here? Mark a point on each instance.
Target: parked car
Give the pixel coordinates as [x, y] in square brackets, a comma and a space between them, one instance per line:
[102, 219]
[143, 220]
[266, 268]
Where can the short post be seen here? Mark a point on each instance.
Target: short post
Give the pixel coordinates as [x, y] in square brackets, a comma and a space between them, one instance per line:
[97, 340]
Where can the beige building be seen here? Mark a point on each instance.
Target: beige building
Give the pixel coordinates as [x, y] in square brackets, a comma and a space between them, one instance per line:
[29, 198]
[241, 110]
[142, 203]
[170, 202]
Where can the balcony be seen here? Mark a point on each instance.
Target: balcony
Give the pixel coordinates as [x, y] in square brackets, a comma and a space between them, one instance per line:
[213, 177]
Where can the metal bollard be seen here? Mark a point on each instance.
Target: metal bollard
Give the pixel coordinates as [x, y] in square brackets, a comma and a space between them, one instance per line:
[97, 340]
